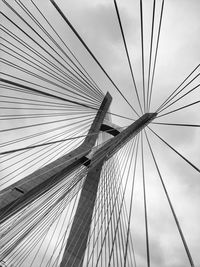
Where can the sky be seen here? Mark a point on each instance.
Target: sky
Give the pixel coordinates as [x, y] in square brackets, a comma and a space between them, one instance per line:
[178, 55]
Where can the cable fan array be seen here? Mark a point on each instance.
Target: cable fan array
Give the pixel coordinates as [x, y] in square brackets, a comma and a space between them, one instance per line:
[48, 102]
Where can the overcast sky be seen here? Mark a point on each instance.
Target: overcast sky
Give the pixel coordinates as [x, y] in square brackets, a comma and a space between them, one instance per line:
[178, 55]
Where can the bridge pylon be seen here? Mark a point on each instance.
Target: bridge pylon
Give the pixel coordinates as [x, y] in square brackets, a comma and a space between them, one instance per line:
[20, 194]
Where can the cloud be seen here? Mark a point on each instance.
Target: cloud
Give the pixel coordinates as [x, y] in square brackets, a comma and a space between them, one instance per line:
[178, 54]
